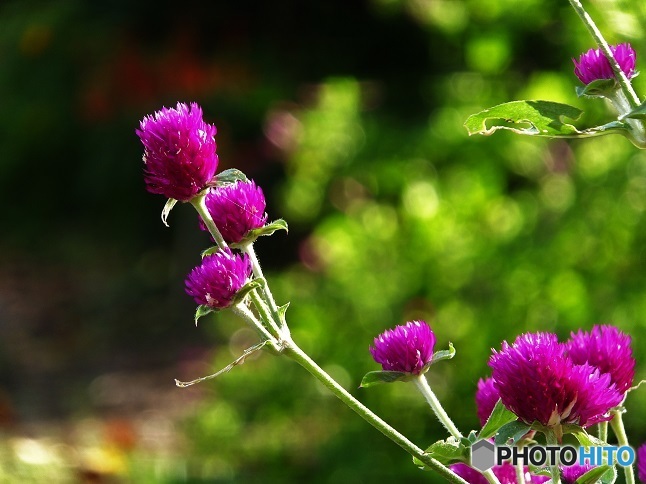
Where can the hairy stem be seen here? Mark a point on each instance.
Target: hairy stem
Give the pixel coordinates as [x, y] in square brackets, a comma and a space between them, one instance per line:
[294, 352]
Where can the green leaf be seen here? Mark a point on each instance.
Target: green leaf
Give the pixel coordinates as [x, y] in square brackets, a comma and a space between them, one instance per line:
[449, 451]
[232, 175]
[202, 310]
[209, 251]
[170, 203]
[512, 430]
[605, 474]
[537, 118]
[443, 354]
[584, 438]
[246, 289]
[598, 88]
[638, 113]
[282, 311]
[377, 377]
[268, 229]
[500, 416]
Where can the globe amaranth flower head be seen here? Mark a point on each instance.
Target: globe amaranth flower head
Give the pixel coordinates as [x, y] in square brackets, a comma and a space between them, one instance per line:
[641, 463]
[594, 65]
[487, 396]
[236, 209]
[179, 151]
[407, 348]
[506, 474]
[538, 382]
[606, 348]
[216, 281]
[569, 474]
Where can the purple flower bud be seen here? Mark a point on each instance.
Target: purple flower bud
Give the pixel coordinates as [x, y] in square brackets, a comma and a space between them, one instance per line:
[486, 398]
[569, 474]
[606, 348]
[593, 65]
[506, 474]
[641, 463]
[538, 382]
[218, 278]
[407, 348]
[179, 151]
[236, 209]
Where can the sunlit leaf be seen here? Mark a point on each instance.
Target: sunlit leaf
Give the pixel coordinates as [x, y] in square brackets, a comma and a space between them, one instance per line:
[170, 203]
[537, 118]
[378, 377]
[605, 474]
[513, 431]
[597, 88]
[500, 416]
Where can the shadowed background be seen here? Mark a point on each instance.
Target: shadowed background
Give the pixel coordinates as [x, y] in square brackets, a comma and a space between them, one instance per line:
[349, 115]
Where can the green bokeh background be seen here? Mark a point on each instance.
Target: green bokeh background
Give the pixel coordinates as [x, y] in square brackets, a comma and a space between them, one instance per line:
[349, 115]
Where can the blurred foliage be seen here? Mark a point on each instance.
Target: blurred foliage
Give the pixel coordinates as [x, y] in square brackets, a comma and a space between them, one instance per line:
[350, 115]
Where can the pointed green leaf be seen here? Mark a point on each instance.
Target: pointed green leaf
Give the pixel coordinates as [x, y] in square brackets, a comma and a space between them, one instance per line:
[449, 451]
[584, 438]
[170, 203]
[282, 311]
[638, 113]
[246, 289]
[443, 354]
[513, 430]
[607, 475]
[598, 88]
[232, 175]
[377, 377]
[252, 235]
[202, 310]
[209, 251]
[500, 416]
[538, 118]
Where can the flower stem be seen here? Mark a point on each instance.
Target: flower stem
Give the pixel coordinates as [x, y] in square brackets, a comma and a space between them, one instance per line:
[295, 353]
[243, 312]
[617, 424]
[269, 297]
[624, 82]
[200, 207]
[436, 406]
[552, 438]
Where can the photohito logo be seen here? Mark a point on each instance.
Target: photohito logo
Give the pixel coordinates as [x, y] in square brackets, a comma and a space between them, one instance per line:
[485, 455]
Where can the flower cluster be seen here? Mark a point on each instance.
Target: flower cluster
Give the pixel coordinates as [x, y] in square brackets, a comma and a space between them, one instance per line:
[579, 382]
[593, 64]
[180, 162]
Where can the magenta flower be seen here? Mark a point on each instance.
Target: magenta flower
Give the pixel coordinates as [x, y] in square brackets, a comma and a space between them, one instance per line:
[593, 65]
[569, 474]
[179, 151]
[506, 474]
[538, 382]
[407, 348]
[486, 398]
[606, 348]
[641, 463]
[219, 277]
[236, 209]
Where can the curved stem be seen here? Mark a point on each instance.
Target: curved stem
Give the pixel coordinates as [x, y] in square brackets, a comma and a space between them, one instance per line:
[624, 82]
[257, 272]
[617, 424]
[422, 385]
[200, 207]
[243, 312]
[266, 316]
[294, 352]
